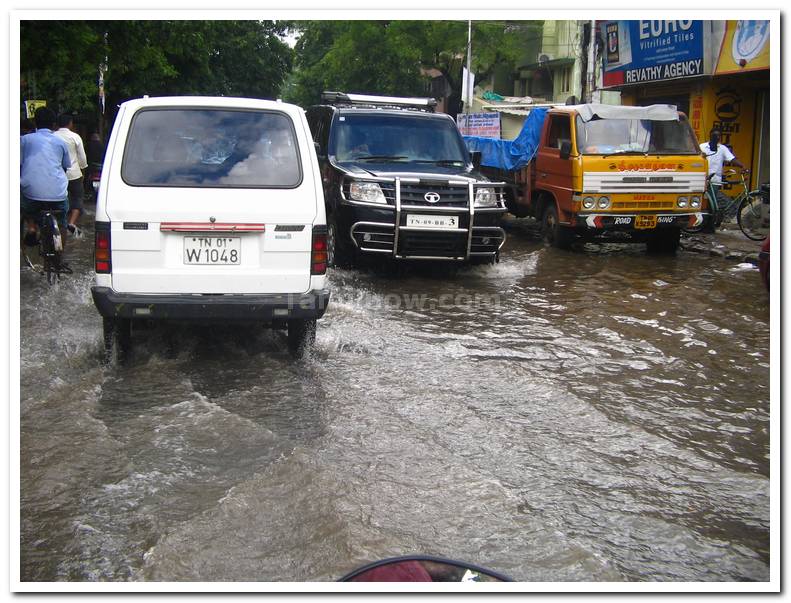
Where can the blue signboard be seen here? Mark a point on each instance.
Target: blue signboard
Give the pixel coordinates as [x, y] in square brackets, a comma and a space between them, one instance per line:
[650, 51]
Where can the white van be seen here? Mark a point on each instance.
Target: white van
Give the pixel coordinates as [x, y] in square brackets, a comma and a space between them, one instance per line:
[210, 209]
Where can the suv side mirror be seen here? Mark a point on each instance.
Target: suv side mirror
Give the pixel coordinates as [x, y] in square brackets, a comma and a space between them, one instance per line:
[565, 149]
[475, 157]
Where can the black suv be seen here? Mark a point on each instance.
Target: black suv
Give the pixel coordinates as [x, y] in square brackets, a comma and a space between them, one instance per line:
[399, 181]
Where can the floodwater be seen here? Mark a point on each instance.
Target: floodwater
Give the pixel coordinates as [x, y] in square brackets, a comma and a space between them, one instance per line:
[561, 416]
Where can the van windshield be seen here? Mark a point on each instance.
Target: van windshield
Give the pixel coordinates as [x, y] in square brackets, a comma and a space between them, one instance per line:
[635, 136]
[211, 148]
[403, 138]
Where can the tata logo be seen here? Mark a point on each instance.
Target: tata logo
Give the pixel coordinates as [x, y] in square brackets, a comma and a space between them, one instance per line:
[431, 197]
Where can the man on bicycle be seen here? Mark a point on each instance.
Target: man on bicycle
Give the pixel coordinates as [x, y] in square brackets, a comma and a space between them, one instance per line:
[717, 156]
[44, 159]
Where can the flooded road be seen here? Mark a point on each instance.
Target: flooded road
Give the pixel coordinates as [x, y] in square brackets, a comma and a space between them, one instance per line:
[595, 415]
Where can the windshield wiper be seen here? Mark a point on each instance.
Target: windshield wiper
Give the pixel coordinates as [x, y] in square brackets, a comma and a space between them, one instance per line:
[380, 157]
[441, 161]
[644, 153]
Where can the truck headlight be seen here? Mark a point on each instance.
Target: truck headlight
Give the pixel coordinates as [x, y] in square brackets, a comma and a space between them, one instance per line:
[588, 202]
[485, 197]
[694, 202]
[369, 192]
[682, 202]
[604, 202]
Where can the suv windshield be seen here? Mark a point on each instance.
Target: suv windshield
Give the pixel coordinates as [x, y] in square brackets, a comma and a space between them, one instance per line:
[619, 136]
[407, 138]
[211, 148]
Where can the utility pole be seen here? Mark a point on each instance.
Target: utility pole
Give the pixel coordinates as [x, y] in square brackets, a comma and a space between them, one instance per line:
[591, 79]
[468, 83]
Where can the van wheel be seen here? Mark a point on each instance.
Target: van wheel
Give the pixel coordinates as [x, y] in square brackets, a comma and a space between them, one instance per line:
[554, 233]
[664, 241]
[301, 336]
[339, 251]
[117, 339]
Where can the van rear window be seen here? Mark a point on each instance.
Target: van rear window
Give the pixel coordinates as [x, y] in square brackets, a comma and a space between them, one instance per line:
[211, 148]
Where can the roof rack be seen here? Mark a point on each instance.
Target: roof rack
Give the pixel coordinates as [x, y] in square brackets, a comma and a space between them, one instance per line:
[342, 99]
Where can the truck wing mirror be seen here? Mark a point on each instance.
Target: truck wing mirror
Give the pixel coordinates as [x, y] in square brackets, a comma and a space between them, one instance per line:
[475, 157]
[565, 149]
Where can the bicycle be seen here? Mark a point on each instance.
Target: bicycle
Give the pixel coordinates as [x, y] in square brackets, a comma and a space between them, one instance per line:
[743, 206]
[50, 242]
[753, 214]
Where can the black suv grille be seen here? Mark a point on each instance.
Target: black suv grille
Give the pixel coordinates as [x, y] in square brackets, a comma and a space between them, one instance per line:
[414, 194]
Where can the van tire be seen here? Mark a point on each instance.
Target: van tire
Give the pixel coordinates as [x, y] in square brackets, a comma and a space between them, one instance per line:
[117, 334]
[554, 233]
[301, 336]
[339, 249]
[664, 241]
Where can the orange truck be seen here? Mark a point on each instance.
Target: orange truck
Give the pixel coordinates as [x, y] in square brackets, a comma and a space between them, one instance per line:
[595, 170]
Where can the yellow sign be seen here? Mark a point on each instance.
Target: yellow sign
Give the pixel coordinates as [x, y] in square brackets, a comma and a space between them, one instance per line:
[32, 105]
[745, 47]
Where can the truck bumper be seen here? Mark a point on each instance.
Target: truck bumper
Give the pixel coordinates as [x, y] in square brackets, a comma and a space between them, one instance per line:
[637, 223]
[245, 308]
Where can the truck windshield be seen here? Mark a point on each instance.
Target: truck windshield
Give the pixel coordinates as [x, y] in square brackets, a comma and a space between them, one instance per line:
[619, 136]
[403, 138]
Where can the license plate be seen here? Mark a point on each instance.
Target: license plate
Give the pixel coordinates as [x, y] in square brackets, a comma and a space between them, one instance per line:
[220, 251]
[431, 221]
[645, 222]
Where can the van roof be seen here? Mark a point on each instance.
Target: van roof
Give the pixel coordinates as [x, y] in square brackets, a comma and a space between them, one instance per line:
[229, 102]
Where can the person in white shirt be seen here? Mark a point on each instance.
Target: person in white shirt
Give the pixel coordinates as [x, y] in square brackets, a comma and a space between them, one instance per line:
[717, 156]
[74, 174]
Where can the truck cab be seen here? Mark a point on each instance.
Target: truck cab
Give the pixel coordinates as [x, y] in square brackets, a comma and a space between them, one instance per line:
[599, 169]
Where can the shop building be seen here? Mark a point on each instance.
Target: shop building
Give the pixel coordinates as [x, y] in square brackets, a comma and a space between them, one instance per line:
[717, 72]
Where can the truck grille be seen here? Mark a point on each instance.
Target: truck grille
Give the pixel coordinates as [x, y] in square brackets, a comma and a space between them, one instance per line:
[642, 205]
[644, 182]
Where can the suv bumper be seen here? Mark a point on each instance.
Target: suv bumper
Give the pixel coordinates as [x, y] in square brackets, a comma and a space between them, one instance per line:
[249, 308]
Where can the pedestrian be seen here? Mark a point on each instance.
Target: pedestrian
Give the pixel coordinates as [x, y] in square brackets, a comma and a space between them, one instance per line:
[78, 163]
[43, 160]
[26, 126]
[717, 156]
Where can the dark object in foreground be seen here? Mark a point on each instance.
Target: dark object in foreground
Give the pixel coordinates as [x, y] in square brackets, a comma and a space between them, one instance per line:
[422, 568]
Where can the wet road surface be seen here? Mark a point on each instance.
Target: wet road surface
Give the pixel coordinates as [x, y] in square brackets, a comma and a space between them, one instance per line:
[586, 415]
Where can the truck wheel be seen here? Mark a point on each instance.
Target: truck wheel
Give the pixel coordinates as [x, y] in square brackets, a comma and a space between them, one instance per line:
[339, 249]
[555, 234]
[301, 336]
[117, 334]
[664, 241]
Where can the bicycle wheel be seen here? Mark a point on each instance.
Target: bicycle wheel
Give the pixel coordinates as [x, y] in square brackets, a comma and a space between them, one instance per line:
[753, 217]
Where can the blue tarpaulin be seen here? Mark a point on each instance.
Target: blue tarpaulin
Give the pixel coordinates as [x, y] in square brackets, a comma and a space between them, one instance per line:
[513, 154]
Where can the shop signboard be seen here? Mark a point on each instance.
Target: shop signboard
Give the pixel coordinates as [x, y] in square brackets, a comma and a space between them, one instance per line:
[486, 125]
[642, 51]
[745, 47]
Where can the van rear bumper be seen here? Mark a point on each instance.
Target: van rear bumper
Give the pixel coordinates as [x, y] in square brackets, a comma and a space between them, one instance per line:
[250, 308]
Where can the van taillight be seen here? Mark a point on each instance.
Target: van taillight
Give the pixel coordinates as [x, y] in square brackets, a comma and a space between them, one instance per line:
[102, 256]
[318, 259]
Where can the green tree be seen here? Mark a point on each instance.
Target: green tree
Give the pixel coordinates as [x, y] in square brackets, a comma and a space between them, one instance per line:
[60, 60]
[388, 57]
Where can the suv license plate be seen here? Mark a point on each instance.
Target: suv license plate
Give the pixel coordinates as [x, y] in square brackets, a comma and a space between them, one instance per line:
[645, 222]
[431, 221]
[204, 250]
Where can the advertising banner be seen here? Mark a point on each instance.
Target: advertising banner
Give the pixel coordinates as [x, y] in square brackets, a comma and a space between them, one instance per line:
[745, 47]
[32, 105]
[486, 125]
[650, 51]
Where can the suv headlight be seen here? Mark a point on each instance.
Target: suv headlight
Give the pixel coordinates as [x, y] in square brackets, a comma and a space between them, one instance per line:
[682, 202]
[694, 202]
[589, 203]
[604, 202]
[369, 192]
[485, 197]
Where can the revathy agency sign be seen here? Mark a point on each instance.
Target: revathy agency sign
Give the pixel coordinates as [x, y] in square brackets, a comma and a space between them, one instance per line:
[650, 51]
